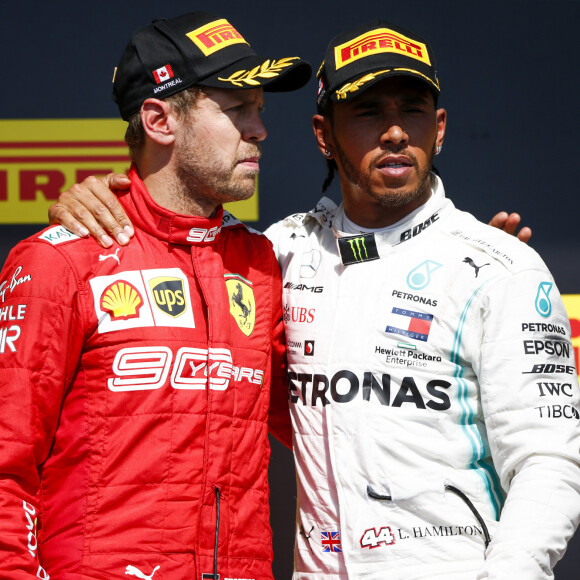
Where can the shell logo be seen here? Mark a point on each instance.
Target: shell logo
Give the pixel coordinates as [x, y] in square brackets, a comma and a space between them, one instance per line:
[121, 300]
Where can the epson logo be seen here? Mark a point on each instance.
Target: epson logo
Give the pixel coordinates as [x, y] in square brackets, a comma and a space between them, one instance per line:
[550, 347]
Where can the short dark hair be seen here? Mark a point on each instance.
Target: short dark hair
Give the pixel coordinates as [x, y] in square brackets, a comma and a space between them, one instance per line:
[181, 103]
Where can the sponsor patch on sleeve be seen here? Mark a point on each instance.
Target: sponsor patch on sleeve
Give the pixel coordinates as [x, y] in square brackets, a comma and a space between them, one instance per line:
[58, 235]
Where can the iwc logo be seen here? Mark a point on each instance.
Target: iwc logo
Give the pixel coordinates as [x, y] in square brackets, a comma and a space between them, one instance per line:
[242, 302]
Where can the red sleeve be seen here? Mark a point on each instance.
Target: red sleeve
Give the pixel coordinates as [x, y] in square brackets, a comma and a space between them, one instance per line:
[279, 415]
[39, 350]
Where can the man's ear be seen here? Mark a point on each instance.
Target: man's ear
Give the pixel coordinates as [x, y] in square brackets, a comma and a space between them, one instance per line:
[323, 134]
[441, 126]
[158, 121]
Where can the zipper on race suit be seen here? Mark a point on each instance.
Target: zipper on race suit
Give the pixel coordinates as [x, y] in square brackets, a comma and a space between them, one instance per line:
[373, 494]
[473, 509]
[215, 575]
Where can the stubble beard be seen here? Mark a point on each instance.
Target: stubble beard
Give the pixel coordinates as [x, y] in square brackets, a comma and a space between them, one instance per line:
[201, 175]
[396, 197]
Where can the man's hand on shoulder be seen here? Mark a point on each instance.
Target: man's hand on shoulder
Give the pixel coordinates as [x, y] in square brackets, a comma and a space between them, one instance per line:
[509, 223]
[91, 208]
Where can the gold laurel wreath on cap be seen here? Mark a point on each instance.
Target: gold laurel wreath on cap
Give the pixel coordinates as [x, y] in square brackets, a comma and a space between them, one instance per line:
[354, 86]
[266, 70]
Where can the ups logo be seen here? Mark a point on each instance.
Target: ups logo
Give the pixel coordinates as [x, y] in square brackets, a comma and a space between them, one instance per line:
[168, 295]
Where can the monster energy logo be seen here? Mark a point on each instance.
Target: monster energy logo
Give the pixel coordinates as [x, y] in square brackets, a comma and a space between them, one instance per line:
[357, 249]
[357, 245]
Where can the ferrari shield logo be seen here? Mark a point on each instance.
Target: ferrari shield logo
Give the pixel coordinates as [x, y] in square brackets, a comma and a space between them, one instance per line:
[242, 302]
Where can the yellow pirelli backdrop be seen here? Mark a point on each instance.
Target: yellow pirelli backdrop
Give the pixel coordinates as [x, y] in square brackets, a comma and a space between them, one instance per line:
[572, 304]
[40, 158]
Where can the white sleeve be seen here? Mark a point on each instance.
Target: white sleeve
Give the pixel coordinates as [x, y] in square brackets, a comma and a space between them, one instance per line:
[530, 400]
[538, 519]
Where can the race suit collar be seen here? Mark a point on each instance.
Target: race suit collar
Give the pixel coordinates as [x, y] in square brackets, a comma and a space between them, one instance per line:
[329, 215]
[164, 224]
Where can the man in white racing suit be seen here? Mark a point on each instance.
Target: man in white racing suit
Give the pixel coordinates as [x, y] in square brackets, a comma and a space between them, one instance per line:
[433, 390]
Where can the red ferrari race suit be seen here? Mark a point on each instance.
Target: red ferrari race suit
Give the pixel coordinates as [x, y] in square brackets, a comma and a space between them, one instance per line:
[134, 387]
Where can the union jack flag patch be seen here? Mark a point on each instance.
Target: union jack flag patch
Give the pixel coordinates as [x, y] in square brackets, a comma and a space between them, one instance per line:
[331, 542]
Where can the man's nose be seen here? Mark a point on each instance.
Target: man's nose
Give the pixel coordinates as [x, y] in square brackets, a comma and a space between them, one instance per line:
[394, 133]
[255, 130]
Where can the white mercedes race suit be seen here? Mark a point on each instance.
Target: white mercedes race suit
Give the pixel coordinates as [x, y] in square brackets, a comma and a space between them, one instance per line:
[431, 375]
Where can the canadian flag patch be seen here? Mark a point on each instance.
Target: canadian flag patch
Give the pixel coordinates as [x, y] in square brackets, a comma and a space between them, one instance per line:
[163, 74]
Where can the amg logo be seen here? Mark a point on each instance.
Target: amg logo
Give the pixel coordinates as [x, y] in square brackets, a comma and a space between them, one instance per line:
[304, 287]
[411, 233]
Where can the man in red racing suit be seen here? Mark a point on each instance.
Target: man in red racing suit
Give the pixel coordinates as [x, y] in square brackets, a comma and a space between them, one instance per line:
[135, 381]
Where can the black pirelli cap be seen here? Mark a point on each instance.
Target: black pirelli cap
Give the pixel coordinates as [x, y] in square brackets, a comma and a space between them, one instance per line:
[197, 48]
[357, 59]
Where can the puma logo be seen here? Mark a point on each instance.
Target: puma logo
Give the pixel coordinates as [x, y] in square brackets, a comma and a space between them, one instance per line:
[472, 264]
[132, 571]
[114, 256]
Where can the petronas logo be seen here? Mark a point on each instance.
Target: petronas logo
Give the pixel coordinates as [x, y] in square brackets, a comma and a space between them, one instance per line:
[358, 249]
[543, 303]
